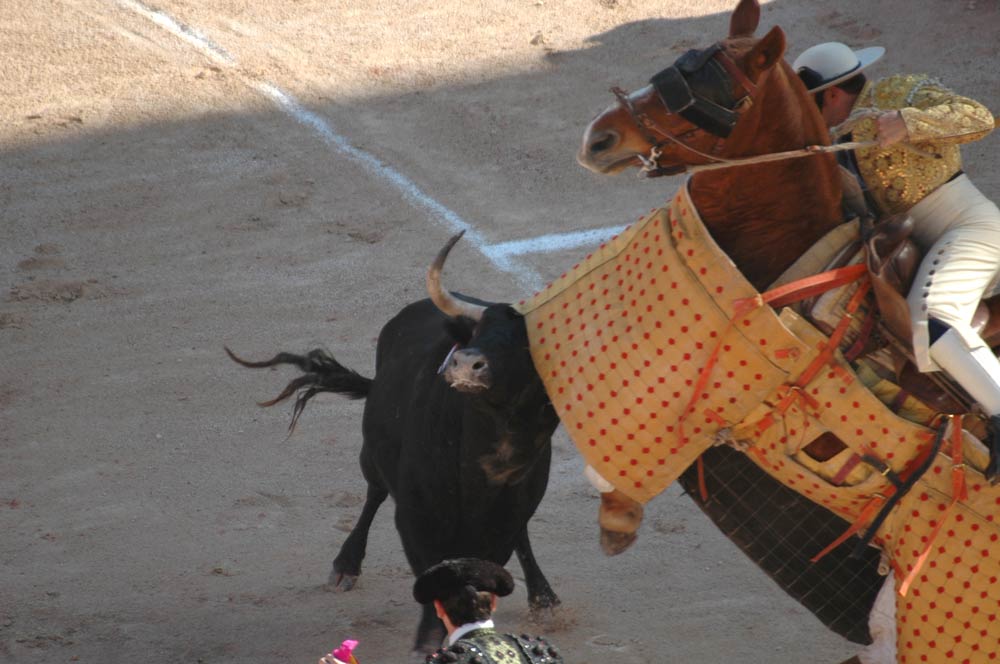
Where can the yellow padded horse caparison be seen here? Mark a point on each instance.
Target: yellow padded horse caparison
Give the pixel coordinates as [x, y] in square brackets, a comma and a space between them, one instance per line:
[652, 350]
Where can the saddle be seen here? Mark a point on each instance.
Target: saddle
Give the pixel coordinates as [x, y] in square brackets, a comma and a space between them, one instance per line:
[892, 259]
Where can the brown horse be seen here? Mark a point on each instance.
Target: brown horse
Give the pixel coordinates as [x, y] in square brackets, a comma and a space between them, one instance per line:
[739, 99]
[788, 204]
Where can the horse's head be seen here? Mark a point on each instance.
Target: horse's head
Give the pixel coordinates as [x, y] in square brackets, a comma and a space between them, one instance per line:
[692, 112]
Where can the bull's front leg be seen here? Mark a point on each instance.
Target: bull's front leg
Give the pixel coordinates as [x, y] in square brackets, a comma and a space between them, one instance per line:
[430, 633]
[540, 593]
[347, 564]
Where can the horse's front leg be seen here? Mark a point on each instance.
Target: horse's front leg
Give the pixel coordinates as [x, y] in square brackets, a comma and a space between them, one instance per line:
[619, 518]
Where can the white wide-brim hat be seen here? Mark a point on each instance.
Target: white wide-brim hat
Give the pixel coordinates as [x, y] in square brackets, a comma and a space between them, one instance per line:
[835, 62]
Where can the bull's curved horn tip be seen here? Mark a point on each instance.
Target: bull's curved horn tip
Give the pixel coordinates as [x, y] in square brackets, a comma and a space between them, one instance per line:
[442, 298]
[453, 240]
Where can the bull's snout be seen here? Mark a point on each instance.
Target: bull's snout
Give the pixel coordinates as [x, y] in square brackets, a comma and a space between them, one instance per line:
[469, 371]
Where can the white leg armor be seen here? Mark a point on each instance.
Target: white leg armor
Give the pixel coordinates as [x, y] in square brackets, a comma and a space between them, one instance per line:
[959, 230]
[977, 370]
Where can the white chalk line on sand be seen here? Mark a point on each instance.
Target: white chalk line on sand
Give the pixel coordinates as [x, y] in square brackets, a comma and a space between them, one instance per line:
[544, 244]
[500, 254]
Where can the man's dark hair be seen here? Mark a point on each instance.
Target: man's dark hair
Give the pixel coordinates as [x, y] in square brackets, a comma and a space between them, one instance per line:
[468, 605]
[853, 85]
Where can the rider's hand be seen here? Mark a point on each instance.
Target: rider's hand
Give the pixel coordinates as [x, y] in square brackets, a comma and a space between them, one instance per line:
[891, 128]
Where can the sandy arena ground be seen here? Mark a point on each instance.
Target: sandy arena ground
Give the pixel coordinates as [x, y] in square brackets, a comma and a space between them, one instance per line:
[159, 198]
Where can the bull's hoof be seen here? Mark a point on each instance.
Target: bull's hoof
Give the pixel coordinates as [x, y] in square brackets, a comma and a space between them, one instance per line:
[428, 645]
[613, 543]
[543, 601]
[341, 582]
[419, 656]
[545, 616]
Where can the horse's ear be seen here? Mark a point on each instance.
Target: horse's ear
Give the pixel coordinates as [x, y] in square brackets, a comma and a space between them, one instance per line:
[745, 18]
[765, 53]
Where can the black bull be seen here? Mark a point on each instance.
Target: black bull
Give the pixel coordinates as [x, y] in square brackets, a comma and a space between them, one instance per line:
[466, 460]
[465, 456]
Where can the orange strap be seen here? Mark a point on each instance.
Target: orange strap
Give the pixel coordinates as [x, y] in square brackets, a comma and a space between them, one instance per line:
[702, 487]
[878, 500]
[803, 288]
[838, 334]
[776, 297]
[866, 515]
[958, 492]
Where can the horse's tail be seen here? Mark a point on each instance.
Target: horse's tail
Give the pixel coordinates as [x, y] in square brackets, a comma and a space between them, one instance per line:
[321, 373]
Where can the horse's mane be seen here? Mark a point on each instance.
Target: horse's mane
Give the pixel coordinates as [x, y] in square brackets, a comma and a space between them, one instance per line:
[788, 204]
[804, 109]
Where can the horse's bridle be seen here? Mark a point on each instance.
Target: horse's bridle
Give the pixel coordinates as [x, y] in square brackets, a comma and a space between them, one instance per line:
[702, 87]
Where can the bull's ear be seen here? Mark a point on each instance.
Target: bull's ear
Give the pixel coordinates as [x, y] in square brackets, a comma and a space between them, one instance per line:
[460, 328]
[765, 53]
[745, 18]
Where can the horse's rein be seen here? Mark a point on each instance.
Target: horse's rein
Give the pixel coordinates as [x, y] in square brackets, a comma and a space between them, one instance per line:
[807, 151]
[651, 166]
[645, 125]
[716, 163]
[780, 156]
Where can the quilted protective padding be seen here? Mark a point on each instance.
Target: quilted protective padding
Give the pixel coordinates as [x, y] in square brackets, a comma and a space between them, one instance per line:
[621, 341]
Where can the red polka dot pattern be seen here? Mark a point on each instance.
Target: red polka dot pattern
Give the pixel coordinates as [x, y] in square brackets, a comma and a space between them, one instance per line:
[954, 602]
[622, 339]
[952, 611]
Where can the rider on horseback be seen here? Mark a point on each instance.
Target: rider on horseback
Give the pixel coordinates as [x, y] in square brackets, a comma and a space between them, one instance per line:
[955, 224]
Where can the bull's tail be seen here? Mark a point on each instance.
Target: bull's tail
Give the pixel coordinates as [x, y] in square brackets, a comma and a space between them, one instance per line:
[322, 373]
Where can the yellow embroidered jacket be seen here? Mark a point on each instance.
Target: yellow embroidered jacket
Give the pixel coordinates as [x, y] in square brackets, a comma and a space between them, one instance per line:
[938, 121]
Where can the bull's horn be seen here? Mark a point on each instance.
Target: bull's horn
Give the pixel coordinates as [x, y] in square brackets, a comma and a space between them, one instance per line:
[443, 299]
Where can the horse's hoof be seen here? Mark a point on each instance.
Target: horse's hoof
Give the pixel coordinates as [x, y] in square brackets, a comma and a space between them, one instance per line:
[613, 543]
[619, 513]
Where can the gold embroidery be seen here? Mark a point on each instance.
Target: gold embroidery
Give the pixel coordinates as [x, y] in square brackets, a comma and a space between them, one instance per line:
[500, 650]
[898, 177]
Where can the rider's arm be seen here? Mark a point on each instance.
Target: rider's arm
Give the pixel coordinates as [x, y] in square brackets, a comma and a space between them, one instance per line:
[938, 115]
